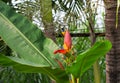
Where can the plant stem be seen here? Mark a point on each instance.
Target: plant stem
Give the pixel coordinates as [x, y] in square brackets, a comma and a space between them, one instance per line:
[78, 80]
[73, 80]
[96, 72]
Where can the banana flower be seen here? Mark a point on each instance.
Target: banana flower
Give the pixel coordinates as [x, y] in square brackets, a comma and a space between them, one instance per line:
[67, 44]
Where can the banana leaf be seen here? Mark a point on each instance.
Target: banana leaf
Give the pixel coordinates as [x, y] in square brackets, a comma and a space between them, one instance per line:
[34, 50]
[86, 59]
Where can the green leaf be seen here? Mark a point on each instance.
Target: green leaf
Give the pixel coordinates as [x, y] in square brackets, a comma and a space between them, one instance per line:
[86, 59]
[26, 33]
[28, 67]
[34, 50]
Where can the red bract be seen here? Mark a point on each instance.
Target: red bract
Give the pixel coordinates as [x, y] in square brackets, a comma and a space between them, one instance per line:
[67, 44]
[67, 40]
[60, 51]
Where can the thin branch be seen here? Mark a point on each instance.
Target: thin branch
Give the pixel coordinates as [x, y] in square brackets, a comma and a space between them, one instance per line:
[83, 35]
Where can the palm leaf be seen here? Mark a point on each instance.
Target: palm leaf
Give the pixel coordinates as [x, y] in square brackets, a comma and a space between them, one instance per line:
[32, 47]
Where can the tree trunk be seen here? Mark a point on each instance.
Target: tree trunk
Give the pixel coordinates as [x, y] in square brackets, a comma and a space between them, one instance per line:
[112, 34]
[47, 18]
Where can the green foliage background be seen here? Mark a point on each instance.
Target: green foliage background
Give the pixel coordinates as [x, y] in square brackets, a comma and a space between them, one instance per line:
[80, 44]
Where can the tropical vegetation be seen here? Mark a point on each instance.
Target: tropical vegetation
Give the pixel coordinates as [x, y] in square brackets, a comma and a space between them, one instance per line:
[58, 49]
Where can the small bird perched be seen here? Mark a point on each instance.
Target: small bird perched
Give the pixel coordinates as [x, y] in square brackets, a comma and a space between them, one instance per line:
[63, 31]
